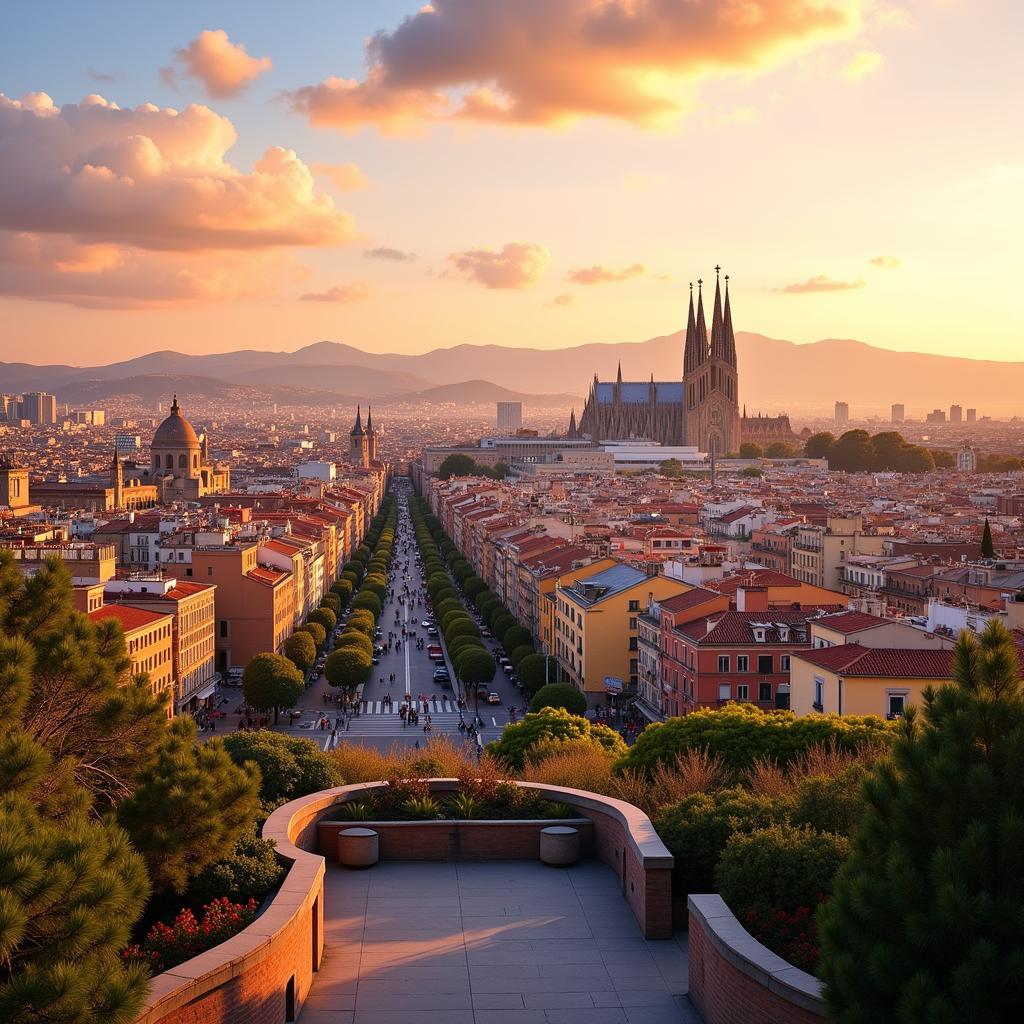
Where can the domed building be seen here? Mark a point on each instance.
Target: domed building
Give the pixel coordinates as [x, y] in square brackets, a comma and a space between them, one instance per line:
[180, 461]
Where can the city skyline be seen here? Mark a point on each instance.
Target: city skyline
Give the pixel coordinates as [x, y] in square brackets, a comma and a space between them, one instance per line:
[278, 208]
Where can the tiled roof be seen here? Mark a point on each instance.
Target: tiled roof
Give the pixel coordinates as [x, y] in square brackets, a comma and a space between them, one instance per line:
[752, 578]
[130, 618]
[852, 622]
[691, 599]
[738, 627]
[264, 575]
[883, 662]
[605, 584]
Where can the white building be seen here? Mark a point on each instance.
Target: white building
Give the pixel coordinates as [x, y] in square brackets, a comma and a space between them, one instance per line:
[313, 470]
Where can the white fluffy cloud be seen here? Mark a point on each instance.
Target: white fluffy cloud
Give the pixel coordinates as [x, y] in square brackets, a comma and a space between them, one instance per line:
[515, 265]
[224, 68]
[117, 188]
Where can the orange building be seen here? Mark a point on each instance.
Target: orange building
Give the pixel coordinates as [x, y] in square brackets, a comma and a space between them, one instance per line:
[149, 642]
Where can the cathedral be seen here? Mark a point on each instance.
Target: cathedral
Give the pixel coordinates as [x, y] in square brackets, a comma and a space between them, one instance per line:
[701, 410]
[362, 445]
[181, 466]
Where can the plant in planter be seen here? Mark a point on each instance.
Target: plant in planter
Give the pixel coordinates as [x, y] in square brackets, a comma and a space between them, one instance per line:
[466, 807]
[422, 808]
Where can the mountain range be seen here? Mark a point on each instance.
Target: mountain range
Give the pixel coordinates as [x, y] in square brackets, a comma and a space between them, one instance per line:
[775, 375]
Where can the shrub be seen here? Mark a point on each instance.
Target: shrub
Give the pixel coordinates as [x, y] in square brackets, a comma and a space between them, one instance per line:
[290, 766]
[830, 803]
[517, 741]
[560, 695]
[741, 733]
[249, 871]
[696, 830]
[578, 764]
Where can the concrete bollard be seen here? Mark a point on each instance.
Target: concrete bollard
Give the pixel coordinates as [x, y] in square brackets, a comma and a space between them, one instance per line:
[559, 845]
[358, 847]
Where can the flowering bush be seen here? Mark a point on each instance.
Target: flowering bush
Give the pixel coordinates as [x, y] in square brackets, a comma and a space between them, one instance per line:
[794, 936]
[168, 945]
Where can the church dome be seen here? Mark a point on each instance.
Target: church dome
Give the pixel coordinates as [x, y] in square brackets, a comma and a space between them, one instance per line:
[175, 431]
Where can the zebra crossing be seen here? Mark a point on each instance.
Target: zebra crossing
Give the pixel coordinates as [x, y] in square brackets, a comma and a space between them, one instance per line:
[436, 705]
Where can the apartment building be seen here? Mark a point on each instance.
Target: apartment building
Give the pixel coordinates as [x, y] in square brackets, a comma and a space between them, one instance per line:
[820, 552]
[149, 643]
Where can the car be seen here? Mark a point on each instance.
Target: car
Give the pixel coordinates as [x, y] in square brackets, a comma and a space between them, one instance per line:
[432, 631]
[426, 624]
[493, 698]
[441, 675]
[314, 676]
[508, 669]
[481, 689]
[485, 633]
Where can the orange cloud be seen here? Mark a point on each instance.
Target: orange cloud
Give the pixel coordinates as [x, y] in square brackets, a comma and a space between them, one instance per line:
[224, 68]
[886, 262]
[821, 283]
[385, 252]
[545, 62]
[862, 64]
[344, 293]
[108, 206]
[347, 177]
[565, 299]
[598, 274]
[516, 265]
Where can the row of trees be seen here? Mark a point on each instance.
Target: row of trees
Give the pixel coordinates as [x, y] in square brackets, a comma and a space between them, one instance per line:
[464, 465]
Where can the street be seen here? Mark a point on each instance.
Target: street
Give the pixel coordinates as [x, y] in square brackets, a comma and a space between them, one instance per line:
[411, 669]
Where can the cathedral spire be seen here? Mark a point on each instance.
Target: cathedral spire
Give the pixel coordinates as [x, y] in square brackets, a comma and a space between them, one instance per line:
[730, 338]
[573, 429]
[702, 326]
[618, 379]
[692, 355]
[717, 325]
[357, 430]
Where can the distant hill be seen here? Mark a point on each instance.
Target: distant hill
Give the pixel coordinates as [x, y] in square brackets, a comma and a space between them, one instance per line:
[775, 375]
[469, 392]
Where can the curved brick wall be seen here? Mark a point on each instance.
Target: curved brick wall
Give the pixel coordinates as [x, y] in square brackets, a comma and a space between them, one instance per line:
[736, 980]
[263, 974]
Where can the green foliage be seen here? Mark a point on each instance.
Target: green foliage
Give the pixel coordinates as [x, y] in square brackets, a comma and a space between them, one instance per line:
[474, 665]
[348, 667]
[355, 638]
[473, 586]
[422, 808]
[515, 636]
[516, 656]
[368, 600]
[331, 601]
[289, 766]
[751, 450]
[300, 649]
[249, 871]
[559, 695]
[987, 547]
[461, 627]
[343, 588]
[549, 724]
[189, 806]
[531, 671]
[697, 828]
[272, 681]
[740, 733]
[779, 867]
[780, 450]
[453, 615]
[465, 807]
[456, 465]
[671, 468]
[445, 607]
[926, 919]
[830, 803]
[989, 462]
[375, 584]
[751, 471]
[819, 446]
[484, 598]
[943, 459]
[324, 617]
[363, 620]
[316, 631]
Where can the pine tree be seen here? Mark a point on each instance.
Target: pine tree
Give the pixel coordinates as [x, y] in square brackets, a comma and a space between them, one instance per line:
[927, 921]
[987, 547]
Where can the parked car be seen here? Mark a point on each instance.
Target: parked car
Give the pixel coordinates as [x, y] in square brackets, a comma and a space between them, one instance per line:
[493, 698]
[432, 631]
[441, 675]
[426, 624]
[486, 633]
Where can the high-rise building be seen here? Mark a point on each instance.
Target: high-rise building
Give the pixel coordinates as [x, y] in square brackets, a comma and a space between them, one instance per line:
[842, 413]
[38, 407]
[125, 442]
[972, 415]
[956, 414]
[898, 412]
[935, 416]
[510, 417]
[966, 459]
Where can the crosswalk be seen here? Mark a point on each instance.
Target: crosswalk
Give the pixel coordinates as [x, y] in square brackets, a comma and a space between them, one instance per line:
[436, 705]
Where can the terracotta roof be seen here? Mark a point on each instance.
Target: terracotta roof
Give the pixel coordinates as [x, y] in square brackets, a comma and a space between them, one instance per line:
[691, 599]
[851, 622]
[130, 618]
[752, 578]
[738, 627]
[264, 575]
[882, 662]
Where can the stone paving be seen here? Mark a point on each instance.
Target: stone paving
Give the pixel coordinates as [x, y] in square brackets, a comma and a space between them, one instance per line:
[511, 942]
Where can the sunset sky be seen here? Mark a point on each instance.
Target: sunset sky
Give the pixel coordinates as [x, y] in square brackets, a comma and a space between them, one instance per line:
[520, 172]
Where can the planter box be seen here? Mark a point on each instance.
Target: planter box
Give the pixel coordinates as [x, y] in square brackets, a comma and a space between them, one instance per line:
[449, 839]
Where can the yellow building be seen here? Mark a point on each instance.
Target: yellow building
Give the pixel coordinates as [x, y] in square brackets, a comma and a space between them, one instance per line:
[149, 642]
[850, 679]
[820, 552]
[546, 601]
[595, 626]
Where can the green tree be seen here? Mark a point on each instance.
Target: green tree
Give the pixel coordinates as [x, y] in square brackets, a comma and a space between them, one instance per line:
[289, 766]
[517, 656]
[363, 620]
[537, 669]
[751, 471]
[300, 649]
[888, 445]
[550, 724]
[820, 445]
[189, 806]
[343, 588]
[987, 547]
[925, 923]
[780, 450]
[271, 681]
[316, 631]
[943, 459]
[331, 601]
[751, 450]
[369, 601]
[325, 617]
[356, 638]
[671, 468]
[348, 667]
[475, 666]
[560, 695]
[515, 636]
[461, 627]
[456, 465]
[853, 452]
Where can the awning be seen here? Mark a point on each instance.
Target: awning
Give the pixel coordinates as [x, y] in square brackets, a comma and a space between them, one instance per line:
[206, 691]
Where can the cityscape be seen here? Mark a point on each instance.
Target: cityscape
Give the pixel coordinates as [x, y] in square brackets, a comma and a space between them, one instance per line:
[405, 623]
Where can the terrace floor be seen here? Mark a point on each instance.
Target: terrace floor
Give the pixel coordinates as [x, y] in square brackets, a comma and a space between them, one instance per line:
[510, 942]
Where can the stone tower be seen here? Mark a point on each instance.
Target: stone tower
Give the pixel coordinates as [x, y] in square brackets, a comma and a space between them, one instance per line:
[371, 435]
[359, 451]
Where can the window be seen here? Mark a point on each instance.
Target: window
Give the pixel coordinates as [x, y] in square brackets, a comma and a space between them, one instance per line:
[724, 691]
[742, 662]
[632, 643]
[819, 693]
[634, 606]
[742, 692]
[224, 627]
[723, 663]
[764, 692]
[766, 664]
[632, 623]
[784, 663]
[897, 704]
[209, 570]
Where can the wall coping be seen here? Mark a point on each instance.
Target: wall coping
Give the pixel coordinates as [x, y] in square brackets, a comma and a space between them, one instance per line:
[752, 958]
[414, 822]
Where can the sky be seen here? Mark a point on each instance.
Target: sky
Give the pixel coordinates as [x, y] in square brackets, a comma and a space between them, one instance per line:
[546, 173]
